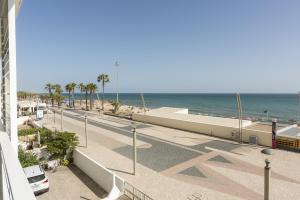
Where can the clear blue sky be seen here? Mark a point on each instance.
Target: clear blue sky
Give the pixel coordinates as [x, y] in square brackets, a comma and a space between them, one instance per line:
[161, 45]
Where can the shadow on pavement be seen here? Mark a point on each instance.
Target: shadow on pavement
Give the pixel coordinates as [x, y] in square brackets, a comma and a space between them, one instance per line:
[97, 190]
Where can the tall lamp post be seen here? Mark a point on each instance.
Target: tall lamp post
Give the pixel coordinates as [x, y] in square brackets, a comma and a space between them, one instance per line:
[240, 116]
[267, 154]
[133, 125]
[117, 77]
[299, 109]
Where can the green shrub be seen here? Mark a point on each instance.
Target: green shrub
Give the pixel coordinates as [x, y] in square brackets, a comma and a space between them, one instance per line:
[65, 162]
[46, 136]
[27, 159]
[28, 131]
[116, 106]
[61, 143]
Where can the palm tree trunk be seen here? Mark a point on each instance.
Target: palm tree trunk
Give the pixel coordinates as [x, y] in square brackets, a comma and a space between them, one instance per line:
[69, 99]
[91, 104]
[73, 99]
[86, 97]
[52, 100]
[80, 97]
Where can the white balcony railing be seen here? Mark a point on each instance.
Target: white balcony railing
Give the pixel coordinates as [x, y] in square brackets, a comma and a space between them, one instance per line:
[13, 182]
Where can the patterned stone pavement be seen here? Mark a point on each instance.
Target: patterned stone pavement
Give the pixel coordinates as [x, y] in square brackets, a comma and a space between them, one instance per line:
[202, 164]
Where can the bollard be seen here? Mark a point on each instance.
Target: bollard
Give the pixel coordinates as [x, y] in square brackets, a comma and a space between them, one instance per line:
[54, 116]
[85, 130]
[61, 119]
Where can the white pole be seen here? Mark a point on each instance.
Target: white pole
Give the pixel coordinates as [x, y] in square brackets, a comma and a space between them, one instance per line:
[134, 150]
[61, 119]
[54, 116]
[267, 180]
[85, 130]
[39, 138]
[239, 105]
[117, 74]
[299, 109]
[143, 101]
[241, 114]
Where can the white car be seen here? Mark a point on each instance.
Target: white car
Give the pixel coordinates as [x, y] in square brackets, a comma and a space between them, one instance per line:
[37, 179]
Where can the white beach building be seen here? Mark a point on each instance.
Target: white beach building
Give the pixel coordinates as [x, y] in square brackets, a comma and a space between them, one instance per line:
[13, 183]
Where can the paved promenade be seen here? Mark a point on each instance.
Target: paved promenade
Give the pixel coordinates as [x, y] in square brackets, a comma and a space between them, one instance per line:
[174, 164]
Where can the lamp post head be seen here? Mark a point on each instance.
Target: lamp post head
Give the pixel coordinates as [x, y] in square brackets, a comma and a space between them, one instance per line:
[267, 154]
[133, 125]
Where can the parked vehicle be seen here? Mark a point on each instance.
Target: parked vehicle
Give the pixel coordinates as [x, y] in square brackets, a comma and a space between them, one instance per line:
[37, 179]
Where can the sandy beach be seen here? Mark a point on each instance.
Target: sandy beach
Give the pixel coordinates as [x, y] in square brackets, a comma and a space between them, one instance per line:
[124, 110]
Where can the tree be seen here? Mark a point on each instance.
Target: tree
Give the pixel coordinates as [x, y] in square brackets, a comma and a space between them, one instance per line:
[73, 86]
[91, 87]
[81, 88]
[86, 96]
[58, 97]
[103, 78]
[69, 89]
[61, 143]
[49, 87]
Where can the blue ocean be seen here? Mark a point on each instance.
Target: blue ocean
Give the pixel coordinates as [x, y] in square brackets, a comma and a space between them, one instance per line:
[284, 107]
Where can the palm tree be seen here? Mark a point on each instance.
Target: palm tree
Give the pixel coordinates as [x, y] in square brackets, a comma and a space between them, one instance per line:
[58, 90]
[49, 87]
[69, 89]
[73, 86]
[103, 78]
[81, 86]
[85, 89]
[91, 88]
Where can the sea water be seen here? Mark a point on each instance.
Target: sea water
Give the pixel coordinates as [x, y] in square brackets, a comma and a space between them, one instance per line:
[284, 107]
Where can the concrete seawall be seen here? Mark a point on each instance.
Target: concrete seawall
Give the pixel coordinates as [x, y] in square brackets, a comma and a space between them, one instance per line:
[213, 126]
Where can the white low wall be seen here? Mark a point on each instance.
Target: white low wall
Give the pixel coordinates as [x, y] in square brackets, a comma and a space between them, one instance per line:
[264, 138]
[106, 179]
[22, 120]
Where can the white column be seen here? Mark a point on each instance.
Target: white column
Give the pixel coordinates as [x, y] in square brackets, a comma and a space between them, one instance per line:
[12, 74]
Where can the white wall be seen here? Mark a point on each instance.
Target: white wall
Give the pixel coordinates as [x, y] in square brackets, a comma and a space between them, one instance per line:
[264, 138]
[106, 179]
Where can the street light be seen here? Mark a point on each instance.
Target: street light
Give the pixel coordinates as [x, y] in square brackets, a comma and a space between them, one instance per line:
[117, 74]
[133, 125]
[267, 153]
[299, 109]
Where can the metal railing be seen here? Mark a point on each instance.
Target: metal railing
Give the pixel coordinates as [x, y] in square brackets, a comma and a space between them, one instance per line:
[14, 184]
[132, 193]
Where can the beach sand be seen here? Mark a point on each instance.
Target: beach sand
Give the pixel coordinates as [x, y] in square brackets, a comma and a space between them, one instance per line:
[124, 110]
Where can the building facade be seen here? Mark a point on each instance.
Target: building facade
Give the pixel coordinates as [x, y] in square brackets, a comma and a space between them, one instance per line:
[8, 11]
[13, 183]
